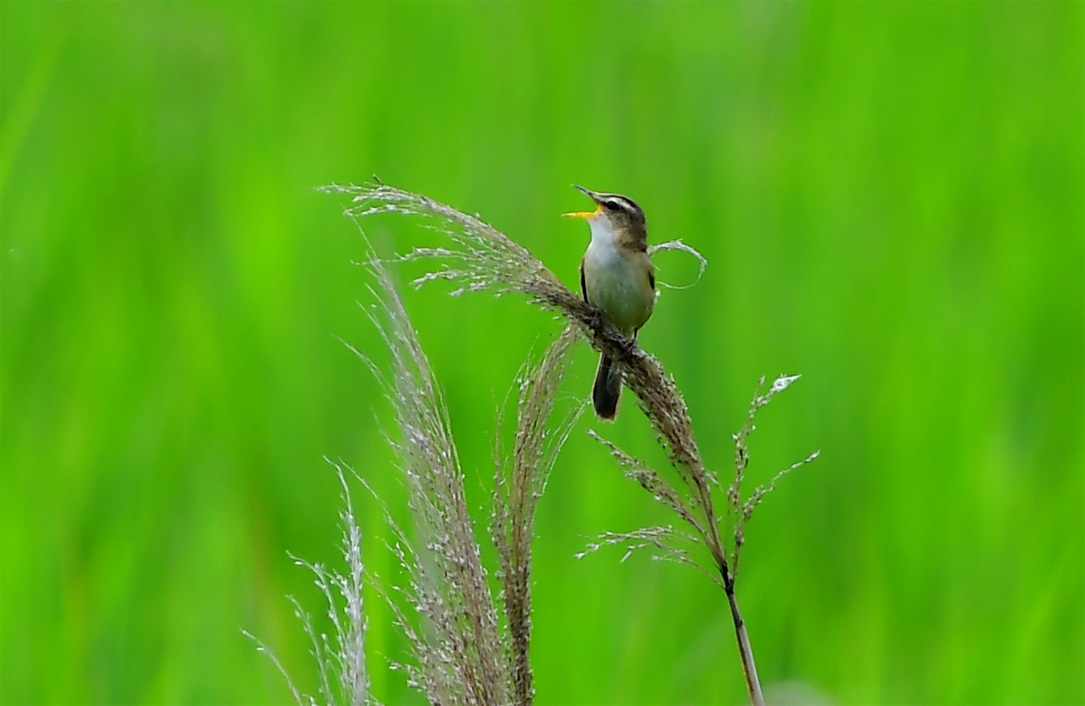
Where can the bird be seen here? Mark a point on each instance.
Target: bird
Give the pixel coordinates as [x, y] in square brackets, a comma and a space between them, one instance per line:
[616, 278]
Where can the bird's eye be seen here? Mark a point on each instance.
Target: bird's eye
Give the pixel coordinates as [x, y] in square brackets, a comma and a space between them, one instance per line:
[611, 205]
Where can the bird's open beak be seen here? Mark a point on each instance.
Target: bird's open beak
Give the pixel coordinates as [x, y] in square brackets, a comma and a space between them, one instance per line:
[587, 215]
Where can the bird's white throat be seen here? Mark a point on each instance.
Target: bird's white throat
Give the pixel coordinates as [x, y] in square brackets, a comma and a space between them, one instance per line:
[604, 241]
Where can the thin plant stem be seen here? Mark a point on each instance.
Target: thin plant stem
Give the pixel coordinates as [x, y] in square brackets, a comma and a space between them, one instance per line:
[745, 651]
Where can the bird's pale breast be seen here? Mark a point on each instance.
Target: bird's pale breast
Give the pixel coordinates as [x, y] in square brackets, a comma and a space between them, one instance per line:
[618, 283]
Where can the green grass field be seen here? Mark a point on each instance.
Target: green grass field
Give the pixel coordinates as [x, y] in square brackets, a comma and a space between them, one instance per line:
[891, 198]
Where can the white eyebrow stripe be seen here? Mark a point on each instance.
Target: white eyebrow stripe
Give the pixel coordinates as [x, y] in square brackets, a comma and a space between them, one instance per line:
[622, 202]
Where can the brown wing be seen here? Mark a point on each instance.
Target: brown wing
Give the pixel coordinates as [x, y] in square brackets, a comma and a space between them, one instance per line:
[583, 287]
[652, 275]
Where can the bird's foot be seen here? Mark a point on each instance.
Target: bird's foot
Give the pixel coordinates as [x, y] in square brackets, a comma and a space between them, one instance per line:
[596, 321]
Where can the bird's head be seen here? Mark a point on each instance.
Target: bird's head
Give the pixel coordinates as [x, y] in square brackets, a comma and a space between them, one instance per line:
[616, 216]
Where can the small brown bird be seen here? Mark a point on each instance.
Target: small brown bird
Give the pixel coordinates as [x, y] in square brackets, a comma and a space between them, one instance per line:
[616, 277]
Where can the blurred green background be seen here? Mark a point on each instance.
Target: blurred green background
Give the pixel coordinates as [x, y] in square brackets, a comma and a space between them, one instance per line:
[891, 198]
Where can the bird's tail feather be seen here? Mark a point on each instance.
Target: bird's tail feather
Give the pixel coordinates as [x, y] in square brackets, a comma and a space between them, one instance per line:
[607, 390]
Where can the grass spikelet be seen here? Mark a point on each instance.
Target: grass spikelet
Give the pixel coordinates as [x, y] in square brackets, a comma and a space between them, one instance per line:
[458, 651]
[340, 658]
[519, 484]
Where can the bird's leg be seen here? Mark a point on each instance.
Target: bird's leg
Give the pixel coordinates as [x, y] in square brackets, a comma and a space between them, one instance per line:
[596, 320]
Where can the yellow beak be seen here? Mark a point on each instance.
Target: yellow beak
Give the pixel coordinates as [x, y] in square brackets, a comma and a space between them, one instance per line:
[587, 215]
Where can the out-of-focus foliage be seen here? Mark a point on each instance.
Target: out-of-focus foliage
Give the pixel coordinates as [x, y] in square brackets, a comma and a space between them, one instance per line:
[890, 197]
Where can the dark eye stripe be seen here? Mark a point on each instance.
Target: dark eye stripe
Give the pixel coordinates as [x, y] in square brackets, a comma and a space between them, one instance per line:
[611, 205]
